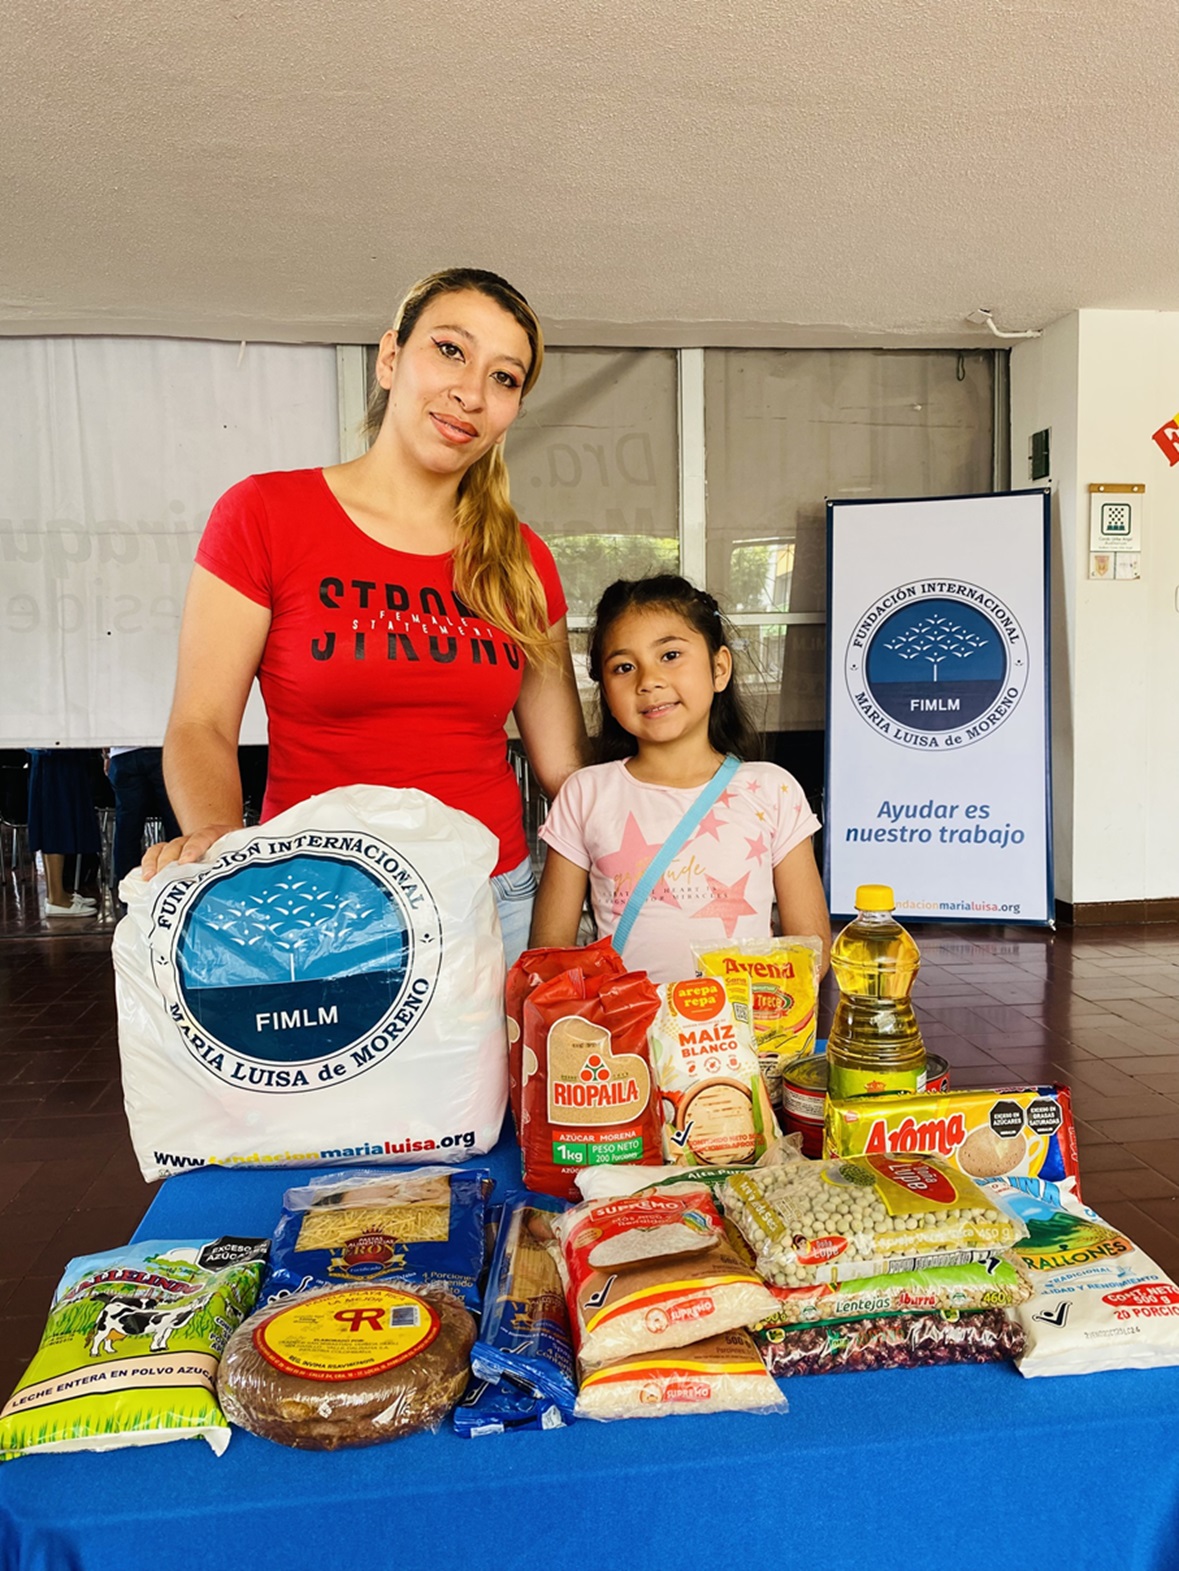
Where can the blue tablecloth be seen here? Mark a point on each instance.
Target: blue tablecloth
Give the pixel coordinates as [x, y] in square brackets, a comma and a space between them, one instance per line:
[970, 1468]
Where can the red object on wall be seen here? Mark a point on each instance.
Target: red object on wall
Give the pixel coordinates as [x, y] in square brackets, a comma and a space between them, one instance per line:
[1167, 437]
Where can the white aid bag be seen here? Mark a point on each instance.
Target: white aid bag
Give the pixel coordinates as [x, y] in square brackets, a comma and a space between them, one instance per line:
[325, 987]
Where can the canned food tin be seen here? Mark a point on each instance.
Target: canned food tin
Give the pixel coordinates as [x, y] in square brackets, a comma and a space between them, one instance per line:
[804, 1092]
[937, 1074]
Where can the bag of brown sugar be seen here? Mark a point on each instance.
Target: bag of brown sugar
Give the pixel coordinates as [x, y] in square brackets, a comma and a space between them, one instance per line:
[588, 1096]
[534, 967]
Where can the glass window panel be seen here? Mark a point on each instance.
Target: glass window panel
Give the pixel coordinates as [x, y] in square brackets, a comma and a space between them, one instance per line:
[786, 429]
[595, 469]
[782, 670]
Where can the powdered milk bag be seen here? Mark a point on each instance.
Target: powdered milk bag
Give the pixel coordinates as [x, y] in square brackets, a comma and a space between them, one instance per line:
[327, 987]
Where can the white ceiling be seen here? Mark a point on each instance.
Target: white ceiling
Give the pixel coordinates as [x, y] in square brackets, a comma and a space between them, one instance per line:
[718, 171]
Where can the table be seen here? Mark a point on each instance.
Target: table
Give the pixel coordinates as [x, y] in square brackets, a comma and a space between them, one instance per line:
[968, 1468]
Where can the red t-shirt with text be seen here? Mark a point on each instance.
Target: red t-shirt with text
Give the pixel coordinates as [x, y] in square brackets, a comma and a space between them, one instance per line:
[374, 673]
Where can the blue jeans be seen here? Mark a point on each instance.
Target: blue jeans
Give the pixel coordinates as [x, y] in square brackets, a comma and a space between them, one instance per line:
[137, 779]
[514, 893]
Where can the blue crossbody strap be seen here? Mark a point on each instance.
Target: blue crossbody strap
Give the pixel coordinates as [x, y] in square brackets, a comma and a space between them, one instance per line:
[672, 846]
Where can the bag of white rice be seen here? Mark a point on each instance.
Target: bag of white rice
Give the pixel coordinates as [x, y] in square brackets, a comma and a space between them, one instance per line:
[326, 987]
[722, 1374]
[1098, 1302]
[652, 1271]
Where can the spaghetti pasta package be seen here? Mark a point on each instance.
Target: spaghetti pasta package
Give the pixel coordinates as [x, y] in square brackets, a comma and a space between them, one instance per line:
[424, 1227]
[524, 1340]
[783, 974]
[131, 1347]
[653, 1271]
[716, 1110]
[588, 1095]
[534, 967]
[721, 1374]
[991, 1132]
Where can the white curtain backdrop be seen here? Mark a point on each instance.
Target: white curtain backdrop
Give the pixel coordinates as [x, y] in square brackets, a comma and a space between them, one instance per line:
[112, 451]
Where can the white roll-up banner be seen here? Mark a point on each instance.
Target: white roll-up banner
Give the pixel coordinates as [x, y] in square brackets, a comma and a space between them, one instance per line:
[938, 734]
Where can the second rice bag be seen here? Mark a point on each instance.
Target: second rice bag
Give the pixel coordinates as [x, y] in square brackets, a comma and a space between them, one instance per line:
[716, 1110]
[784, 976]
[721, 1374]
[652, 1271]
[424, 1226]
[810, 1222]
[591, 1098]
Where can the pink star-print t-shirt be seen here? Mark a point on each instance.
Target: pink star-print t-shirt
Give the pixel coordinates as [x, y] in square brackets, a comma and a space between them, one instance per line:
[719, 887]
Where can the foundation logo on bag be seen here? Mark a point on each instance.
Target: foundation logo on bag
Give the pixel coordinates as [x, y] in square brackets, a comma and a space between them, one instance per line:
[289, 965]
[936, 664]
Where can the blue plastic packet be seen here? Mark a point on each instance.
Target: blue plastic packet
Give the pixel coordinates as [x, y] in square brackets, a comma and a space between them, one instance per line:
[494, 1409]
[423, 1226]
[524, 1345]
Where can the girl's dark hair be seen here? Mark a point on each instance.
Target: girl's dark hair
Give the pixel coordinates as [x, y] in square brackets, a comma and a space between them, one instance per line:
[730, 729]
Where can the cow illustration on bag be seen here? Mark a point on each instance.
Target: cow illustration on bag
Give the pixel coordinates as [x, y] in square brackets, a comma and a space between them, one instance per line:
[139, 1316]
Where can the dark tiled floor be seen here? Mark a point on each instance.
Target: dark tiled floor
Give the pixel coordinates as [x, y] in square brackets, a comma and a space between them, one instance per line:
[1096, 1008]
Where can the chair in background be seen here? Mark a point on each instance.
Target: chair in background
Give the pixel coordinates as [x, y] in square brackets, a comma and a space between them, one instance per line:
[14, 813]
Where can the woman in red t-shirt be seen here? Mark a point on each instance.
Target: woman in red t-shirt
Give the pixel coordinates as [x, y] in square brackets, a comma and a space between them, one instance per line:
[394, 609]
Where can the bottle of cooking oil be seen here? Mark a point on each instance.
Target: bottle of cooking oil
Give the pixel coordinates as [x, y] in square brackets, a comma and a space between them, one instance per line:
[875, 1046]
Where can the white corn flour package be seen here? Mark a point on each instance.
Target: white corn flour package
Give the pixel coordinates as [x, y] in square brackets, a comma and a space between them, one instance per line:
[327, 987]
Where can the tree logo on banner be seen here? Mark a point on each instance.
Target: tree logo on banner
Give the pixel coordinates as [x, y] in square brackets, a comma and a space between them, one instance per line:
[288, 971]
[936, 664]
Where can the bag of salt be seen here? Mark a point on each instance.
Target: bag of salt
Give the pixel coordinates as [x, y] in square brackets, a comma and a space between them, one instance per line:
[326, 987]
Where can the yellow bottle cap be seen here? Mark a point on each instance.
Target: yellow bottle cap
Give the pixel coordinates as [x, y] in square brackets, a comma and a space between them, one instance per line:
[874, 897]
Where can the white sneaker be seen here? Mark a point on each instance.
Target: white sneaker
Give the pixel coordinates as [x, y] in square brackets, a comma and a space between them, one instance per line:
[81, 909]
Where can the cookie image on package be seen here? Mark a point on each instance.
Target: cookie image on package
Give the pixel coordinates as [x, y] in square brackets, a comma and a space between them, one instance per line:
[985, 1154]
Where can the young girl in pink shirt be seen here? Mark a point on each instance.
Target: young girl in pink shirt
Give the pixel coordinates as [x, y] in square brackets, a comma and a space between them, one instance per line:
[671, 718]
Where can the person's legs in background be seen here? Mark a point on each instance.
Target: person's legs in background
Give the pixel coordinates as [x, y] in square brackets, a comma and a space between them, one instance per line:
[56, 892]
[132, 786]
[160, 805]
